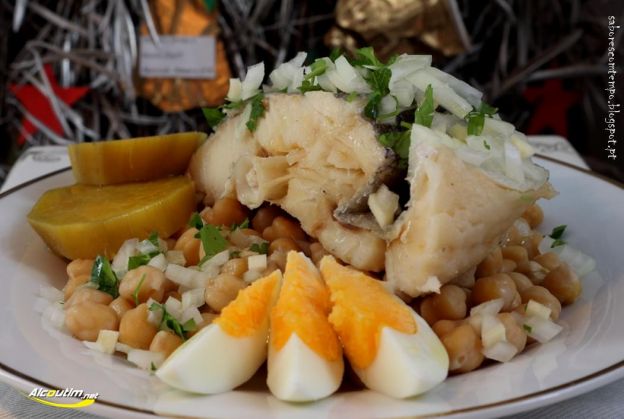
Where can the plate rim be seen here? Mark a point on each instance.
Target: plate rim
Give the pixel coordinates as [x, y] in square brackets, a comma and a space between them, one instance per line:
[564, 391]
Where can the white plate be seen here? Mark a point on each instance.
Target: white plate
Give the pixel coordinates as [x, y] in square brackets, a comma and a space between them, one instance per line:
[588, 353]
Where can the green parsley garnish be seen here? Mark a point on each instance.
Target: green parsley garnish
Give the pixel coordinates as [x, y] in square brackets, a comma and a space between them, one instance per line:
[317, 68]
[153, 238]
[528, 328]
[424, 112]
[351, 96]
[366, 56]
[557, 234]
[378, 79]
[399, 141]
[262, 248]
[244, 224]
[152, 366]
[140, 260]
[103, 277]
[486, 145]
[212, 241]
[168, 322]
[257, 111]
[213, 116]
[234, 254]
[196, 221]
[335, 53]
[135, 294]
[476, 118]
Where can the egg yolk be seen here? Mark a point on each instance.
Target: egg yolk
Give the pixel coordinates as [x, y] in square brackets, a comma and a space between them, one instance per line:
[362, 307]
[302, 308]
[246, 314]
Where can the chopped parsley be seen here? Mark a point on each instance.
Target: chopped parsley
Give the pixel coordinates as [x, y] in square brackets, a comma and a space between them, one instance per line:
[152, 366]
[257, 111]
[213, 116]
[135, 294]
[317, 68]
[557, 236]
[103, 277]
[486, 145]
[424, 112]
[399, 142]
[378, 79]
[262, 248]
[351, 96]
[476, 118]
[528, 328]
[235, 254]
[366, 57]
[335, 54]
[244, 224]
[168, 322]
[212, 241]
[153, 238]
[196, 221]
[140, 260]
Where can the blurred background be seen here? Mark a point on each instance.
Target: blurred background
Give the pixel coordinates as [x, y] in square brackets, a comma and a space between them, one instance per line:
[70, 70]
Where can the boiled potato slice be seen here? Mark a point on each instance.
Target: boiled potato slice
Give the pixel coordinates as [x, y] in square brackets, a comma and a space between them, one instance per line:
[134, 159]
[82, 221]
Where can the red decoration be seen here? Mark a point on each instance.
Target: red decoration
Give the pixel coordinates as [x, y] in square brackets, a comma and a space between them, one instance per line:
[552, 103]
[38, 105]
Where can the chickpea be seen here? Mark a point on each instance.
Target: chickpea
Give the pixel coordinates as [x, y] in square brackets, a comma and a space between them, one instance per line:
[449, 304]
[135, 330]
[121, 306]
[531, 244]
[534, 215]
[264, 217]
[464, 349]
[221, 290]
[279, 259]
[165, 342]
[317, 252]
[496, 286]
[522, 281]
[491, 265]
[85, 320]
[516, 253]
[283, 244]
[79, 267]
[543, 296]
[443, 327]
[563, 283]
[189, 245]
[548, 260]
[152, 282]
[236, 267]
[225, 212]
[512, 237]
[283, 227]
[75, 282]
[514, 332]
[88, 295]
[207, 319]
[171, 242]
[271, 267]
[508, 266]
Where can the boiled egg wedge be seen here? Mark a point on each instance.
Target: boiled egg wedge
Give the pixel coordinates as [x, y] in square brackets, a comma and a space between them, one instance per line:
[230, 350]
[305, 357]
[390, 347]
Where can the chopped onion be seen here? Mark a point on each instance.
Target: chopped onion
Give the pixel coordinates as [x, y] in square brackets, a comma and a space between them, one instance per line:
[127, 249]
[578, 261]
[146, 359]
[384, 204]
[253, 80]
[191, 313]
[492, 307]
[542, 330]
[122, 347]
[257, 262]
[176, 257]
[442, 93]
[154, 317]
[463, 89]
[496, 127]
[216, 261]
[346, 78]
[55, 315]
[193, 298]
[520, 140]
[404, 92]
[174, 307]
[106, 341]
[51, 294]
[536, 309]
[501, 351]
[251, 275]
[289, 75]
[523, 227]
[180, 275]
[201, 278]
[159, 262]
[405, 65]
[492, 331]
[513, 163]
[145, 247]
[538, 272]
[474, 157]
[235, 91]
[387, 106]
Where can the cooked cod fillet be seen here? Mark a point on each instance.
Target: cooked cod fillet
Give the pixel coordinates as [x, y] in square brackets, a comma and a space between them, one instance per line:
[309, 154]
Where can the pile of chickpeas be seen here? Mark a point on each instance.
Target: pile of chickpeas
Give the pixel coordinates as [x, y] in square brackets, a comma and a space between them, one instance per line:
[87, 310]
[515, 272]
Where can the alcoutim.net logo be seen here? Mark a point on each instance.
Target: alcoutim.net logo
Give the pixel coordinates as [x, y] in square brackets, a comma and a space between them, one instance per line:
[46, 397]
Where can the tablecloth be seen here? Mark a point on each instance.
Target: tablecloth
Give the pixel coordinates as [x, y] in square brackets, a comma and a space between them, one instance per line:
[605, 402]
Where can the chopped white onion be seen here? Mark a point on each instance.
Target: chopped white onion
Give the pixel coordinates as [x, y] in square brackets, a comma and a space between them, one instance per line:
[216, 261]
[127, 249]
[542, 330]
[55, 315]
[253, 80]
[191, 313]
[513, 163]
[176, 257]
[346, 78]
[492, 331]
[193, 298]
[496, 127]
[235, 91]
[145, 247]
[106, 341]
[442, 93]
[174, 307]
[251, 275]
[122, 347]
[51, 294]
[257, 262]
[180, 275]
[491, 307]
[523, 227]
[146, 360]
[536, 309]
[384, 204]
[580, 263]
[159, 262]
[520, 140]
[404, 92]
[500, 351]
[463, 89]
